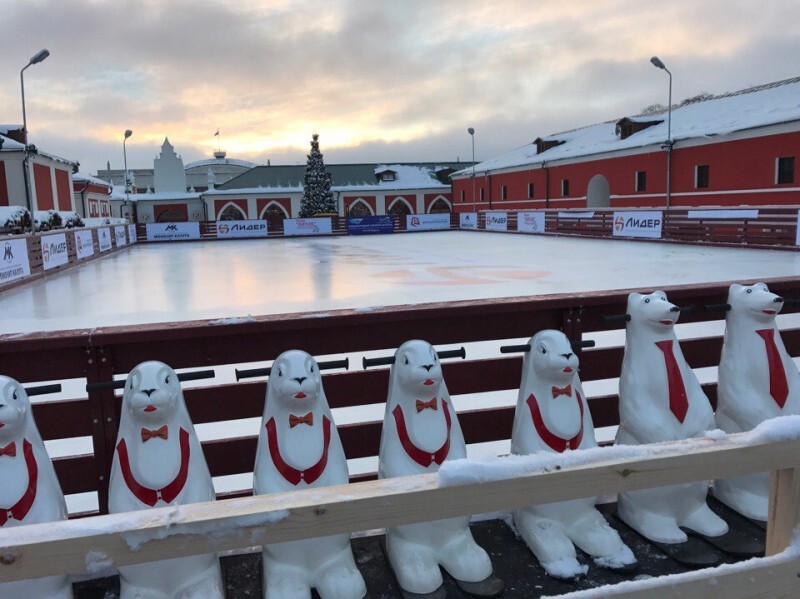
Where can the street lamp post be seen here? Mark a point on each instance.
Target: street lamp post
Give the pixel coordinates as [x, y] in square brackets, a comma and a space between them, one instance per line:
[128, 133]
[471, 132]
[35, 59]
[658, 64]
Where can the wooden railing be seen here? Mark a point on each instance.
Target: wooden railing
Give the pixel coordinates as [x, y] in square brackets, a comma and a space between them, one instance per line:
[98, 355]
[78, 546]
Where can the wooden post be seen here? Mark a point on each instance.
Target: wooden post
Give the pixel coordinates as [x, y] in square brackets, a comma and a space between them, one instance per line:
[784, 509]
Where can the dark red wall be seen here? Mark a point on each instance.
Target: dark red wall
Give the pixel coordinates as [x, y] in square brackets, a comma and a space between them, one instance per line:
[44, 187]
[3, 185]
[64, 200]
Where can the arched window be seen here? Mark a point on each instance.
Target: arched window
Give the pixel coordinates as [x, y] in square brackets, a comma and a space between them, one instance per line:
[439, 206]
[360, 208]
[400, 207]
[171, 216]
[274, 214]
[232, 212]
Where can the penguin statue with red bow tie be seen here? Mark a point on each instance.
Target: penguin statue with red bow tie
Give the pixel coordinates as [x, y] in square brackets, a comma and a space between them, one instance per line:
[30, 492]
[158, 462]
[552, 416]
[299, 448]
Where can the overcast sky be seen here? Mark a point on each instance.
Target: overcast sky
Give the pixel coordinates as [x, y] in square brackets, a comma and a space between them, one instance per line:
[380, 80]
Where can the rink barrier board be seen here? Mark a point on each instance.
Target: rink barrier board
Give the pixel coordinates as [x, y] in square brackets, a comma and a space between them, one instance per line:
[99, 355]
[62, 547]
[34, 246]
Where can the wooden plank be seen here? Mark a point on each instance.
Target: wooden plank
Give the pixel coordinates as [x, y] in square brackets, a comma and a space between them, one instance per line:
[77, 473]
[62, 547]
[784, 509]
[63, 419]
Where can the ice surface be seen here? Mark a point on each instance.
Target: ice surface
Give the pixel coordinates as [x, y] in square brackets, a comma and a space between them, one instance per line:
[152, 283]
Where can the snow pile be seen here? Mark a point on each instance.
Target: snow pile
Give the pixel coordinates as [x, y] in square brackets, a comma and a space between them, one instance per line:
[13, 216]
[56, 219]
[233, 320]
[487, 469]
[792, 552]
[105, 220]
[98, 562]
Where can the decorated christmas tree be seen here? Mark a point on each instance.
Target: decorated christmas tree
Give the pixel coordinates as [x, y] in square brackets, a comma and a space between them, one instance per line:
[317, 195]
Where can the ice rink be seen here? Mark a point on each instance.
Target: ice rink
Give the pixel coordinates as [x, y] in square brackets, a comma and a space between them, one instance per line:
[165, 282]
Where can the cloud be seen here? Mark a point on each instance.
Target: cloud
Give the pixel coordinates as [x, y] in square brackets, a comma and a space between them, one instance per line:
[378, 80]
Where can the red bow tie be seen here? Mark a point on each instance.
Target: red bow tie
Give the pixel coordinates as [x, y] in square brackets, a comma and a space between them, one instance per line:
[148, 434]
[307, 419]
[424, 405]
[559, 391]
[10, 450]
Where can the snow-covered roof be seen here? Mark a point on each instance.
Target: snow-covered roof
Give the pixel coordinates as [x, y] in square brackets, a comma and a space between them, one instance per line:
[220, 162]
[770, 104]
[6, 143]
[80, 177]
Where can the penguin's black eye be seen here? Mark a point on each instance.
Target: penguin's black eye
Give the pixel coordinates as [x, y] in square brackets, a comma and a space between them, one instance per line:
[749, 291]
[15, 394]
[544, 351]
[166, 380]
[312, 369]
[647, 300]
[406, 361]
[131, 386]
[279, 372]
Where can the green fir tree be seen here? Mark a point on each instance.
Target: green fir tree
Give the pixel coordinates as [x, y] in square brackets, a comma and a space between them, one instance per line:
[317, 195]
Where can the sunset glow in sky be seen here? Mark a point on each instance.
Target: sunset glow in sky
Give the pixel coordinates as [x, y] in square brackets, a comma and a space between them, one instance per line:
[391, 80]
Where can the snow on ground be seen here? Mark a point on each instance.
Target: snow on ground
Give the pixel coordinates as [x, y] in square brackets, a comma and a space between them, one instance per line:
[153, 283]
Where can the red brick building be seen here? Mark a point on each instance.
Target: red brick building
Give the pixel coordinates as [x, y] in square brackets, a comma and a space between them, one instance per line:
[736, 149]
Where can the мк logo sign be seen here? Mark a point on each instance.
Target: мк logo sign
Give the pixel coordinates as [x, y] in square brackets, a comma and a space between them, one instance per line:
[171, 228]
[8, 254]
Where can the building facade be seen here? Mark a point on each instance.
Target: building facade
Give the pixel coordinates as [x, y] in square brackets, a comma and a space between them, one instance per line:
[736, 149]
[92, 196]
[49, 178]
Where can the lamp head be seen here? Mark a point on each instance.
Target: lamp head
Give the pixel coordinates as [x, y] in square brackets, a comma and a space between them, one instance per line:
[471, 131]
[657, 62]
[128, 133]
[40, 56]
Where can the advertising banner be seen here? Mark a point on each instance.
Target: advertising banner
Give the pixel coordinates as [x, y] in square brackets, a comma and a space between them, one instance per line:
[638, 224]
[104, 239]
[173, 231]
[15, 263]
[711, 214]
[366, 225]
[229, 229]
[84, 246]
[119, 236]
[428, 222]
[54, 251]
[496, 221]
[530, 222]
[307, 226]
[131, 234]
[589, 214]
[468, 220]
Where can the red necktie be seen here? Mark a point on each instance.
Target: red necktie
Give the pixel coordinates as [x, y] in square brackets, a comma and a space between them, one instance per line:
[10, 450]
[307, 419]
[148, 434]
[424, 405]
[678, 403]
[778, 386]
[559, 391]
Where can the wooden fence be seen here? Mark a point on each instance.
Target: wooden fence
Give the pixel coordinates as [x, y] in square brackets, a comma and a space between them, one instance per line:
[98, 355]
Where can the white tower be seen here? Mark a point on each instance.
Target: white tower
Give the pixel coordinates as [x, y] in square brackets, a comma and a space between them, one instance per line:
[168, 173]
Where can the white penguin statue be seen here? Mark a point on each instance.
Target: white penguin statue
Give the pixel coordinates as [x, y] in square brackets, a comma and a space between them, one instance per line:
[757, 380]
[660, 399]
[420, 432]
[30, 492]
[552, 416]
[299, 448]
[158, 462]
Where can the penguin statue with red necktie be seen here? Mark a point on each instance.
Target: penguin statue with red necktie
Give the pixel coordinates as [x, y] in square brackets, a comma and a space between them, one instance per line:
[552, 416]
[758, 380]
[30, 492]
[299, 448]
[158, 462]
[420, 432]
[660, 399]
